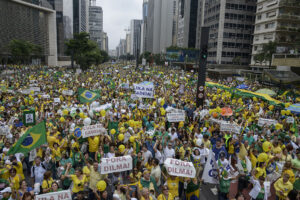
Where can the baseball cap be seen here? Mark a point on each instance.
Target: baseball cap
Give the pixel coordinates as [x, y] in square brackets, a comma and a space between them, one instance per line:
[8, 189]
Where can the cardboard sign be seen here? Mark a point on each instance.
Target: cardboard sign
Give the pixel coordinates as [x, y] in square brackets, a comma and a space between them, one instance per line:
[144, 91]
[227, 127]
[29, 118]
[181, 168]
[177, 116]
[290, 120]
[268, 122]
[92, 130]
[67, 92]
[62, 195]
[116, 164]
[56, 100]
[35, 89]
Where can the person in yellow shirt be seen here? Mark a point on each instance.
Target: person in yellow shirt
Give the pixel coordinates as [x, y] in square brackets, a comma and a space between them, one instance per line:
[79, 180]
[47, 182]
[145, 194]
[282, 187]
[183, 150]
[14, 179]
[206, 141]
[166, 195]
[18, 166]
[287, 169]
[93, 145]
[173, 184]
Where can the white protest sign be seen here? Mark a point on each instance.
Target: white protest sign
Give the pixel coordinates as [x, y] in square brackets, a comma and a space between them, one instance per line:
[176, 116]
[181, 168]
[210, 172]
[67, 92]
[92, 130]
[116, 164]
[134, 97]
[56, 100]
[62, 195]
[46, 96]
[35, 89]
[268, 122]
[144, 91]
[290, 120]
[227, 127]
[4, 130]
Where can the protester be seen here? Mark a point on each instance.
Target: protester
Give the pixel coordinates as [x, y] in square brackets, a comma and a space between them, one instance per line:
[109, 132]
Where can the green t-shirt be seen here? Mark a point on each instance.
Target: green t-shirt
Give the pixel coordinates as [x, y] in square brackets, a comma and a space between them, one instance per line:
[296, 164]
[224, 185]
[67, 181]
[261, 194]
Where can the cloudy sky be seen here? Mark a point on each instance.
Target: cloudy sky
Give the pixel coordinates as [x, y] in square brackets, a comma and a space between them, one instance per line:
[116, 17]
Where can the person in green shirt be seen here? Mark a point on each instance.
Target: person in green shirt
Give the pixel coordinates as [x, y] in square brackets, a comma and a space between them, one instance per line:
[224, 185]
[296, 164]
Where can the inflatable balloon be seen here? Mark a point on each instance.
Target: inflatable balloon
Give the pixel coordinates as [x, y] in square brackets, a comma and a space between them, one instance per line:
[262, 157]
[87, 121]
[101, 185]
[121, 148]
[254, 99]
[283, 112]
[181, 124]
[121, 137]
[271, 107]
[112, 131]
[215, 115]
[288, 112]
[122, 130]
[267, 146]
[65, 112]
[62, 119]
[81, 115]
[132, 138]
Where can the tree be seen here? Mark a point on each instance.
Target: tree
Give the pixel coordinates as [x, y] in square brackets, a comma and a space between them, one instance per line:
[259, 58]
[22, 51]
[268, 50]
[236, 60]
[85, 51]
[146, 55]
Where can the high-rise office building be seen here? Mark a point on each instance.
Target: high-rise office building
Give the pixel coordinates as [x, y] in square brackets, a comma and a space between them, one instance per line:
[161, 24]
[277, 21]
[23, 20]
[104, 42]
[187, 23]
[96, 23]
[80, 16]
[231, 30]
[135, 36]
[128, 43]
[144, 27]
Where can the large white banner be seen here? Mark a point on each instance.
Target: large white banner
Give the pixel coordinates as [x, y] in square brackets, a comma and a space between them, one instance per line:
[176, 116]
[181, 168]
[67, 92]
[268, 122]
[227, 127]
[144, 91]
[35, 89]
[116, 164]
[92, 130]
[62, 195]
[210, 172]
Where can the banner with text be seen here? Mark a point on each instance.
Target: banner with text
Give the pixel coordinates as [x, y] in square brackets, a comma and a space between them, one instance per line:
[62, 195]
[176, 116]
[227, 127]
[268, 122]
[67, 92]
[181, 168]
[144, 91]
[116, 164]
[92, 130]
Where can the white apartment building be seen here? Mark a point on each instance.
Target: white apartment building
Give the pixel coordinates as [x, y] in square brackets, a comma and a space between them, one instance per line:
[276, 20]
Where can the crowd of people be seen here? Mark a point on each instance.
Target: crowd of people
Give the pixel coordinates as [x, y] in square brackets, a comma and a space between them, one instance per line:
[261, 161]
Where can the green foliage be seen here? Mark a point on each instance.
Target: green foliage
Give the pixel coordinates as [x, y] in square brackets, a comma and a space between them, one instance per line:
[237, 60]
[85, 52]
[22, 51]
[259, 58]
[146, 55]
[266, 54]
[180, 48]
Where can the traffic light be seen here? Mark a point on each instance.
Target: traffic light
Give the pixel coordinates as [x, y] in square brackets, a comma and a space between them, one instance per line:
[204, 52]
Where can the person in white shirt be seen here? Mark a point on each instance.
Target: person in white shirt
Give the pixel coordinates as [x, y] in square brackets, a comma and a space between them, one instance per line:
[38, 170]
[173, 135]
[158, 149]
[146, 155]
[156, 172]
[169, 152]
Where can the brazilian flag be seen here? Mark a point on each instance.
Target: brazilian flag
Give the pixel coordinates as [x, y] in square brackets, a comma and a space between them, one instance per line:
[86, 96]
[33, 138]
[193, 191]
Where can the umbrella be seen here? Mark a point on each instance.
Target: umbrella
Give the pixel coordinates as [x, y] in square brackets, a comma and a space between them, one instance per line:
[226, 111]
[242, 86]
[266, 91]
[295, 108]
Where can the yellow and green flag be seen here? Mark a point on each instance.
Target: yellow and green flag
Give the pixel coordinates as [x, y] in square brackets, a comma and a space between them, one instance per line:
[33, 138]
[86, 96]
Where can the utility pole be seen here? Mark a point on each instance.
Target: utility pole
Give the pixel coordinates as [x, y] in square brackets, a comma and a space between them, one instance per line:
[202, 66]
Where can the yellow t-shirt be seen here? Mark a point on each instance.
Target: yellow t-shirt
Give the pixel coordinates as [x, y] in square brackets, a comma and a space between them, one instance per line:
[93, 144]
[173, 186]
[284, 187]
[150, 198]
[15, 181]
[51, 140]
[78, 185]
[56, 153]
[260, 172]
[19, 168]
[47, 183]
[86, 171]
[162, 197]
[291, 173]
[207, 144]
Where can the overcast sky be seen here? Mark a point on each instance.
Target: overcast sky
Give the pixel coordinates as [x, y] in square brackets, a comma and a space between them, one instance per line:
[116, 17]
